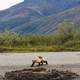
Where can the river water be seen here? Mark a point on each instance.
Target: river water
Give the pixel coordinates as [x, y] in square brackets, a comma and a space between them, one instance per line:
[7, 59]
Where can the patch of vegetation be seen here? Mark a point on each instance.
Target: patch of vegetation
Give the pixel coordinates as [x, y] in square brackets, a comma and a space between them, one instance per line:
[65, 38]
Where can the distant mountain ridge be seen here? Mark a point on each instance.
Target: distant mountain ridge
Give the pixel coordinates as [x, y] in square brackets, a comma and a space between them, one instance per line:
[21, 17]
[50, 23]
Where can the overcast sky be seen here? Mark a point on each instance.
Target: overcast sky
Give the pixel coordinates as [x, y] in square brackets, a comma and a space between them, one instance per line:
[7, 3]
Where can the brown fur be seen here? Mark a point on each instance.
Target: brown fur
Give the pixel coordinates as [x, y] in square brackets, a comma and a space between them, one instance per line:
[40, 60]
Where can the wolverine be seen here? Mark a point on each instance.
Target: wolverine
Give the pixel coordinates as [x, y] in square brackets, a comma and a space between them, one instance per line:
[40, 60]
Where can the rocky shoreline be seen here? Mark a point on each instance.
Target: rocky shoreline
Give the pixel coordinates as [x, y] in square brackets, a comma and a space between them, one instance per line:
[41, 73]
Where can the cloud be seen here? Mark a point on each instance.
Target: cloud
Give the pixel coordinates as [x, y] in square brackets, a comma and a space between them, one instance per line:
[8, 3]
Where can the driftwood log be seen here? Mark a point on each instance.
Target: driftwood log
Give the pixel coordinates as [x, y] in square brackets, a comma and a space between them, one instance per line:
[41, 74]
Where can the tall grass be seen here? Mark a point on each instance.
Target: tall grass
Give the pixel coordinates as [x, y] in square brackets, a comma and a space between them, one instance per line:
[65, 38]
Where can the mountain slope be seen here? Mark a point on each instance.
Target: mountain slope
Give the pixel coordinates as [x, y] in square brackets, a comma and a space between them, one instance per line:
[39, 7]
[49, 24]
[31, 11]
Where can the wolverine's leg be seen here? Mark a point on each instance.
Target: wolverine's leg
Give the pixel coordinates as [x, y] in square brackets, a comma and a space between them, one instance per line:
[32, 64]
[38, 64]
[41, 62]
[46, 62]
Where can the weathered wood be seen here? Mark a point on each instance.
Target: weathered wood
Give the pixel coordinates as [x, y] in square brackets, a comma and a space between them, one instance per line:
[41, 74]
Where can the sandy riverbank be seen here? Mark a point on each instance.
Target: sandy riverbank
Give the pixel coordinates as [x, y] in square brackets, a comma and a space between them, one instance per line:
[57, 60]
